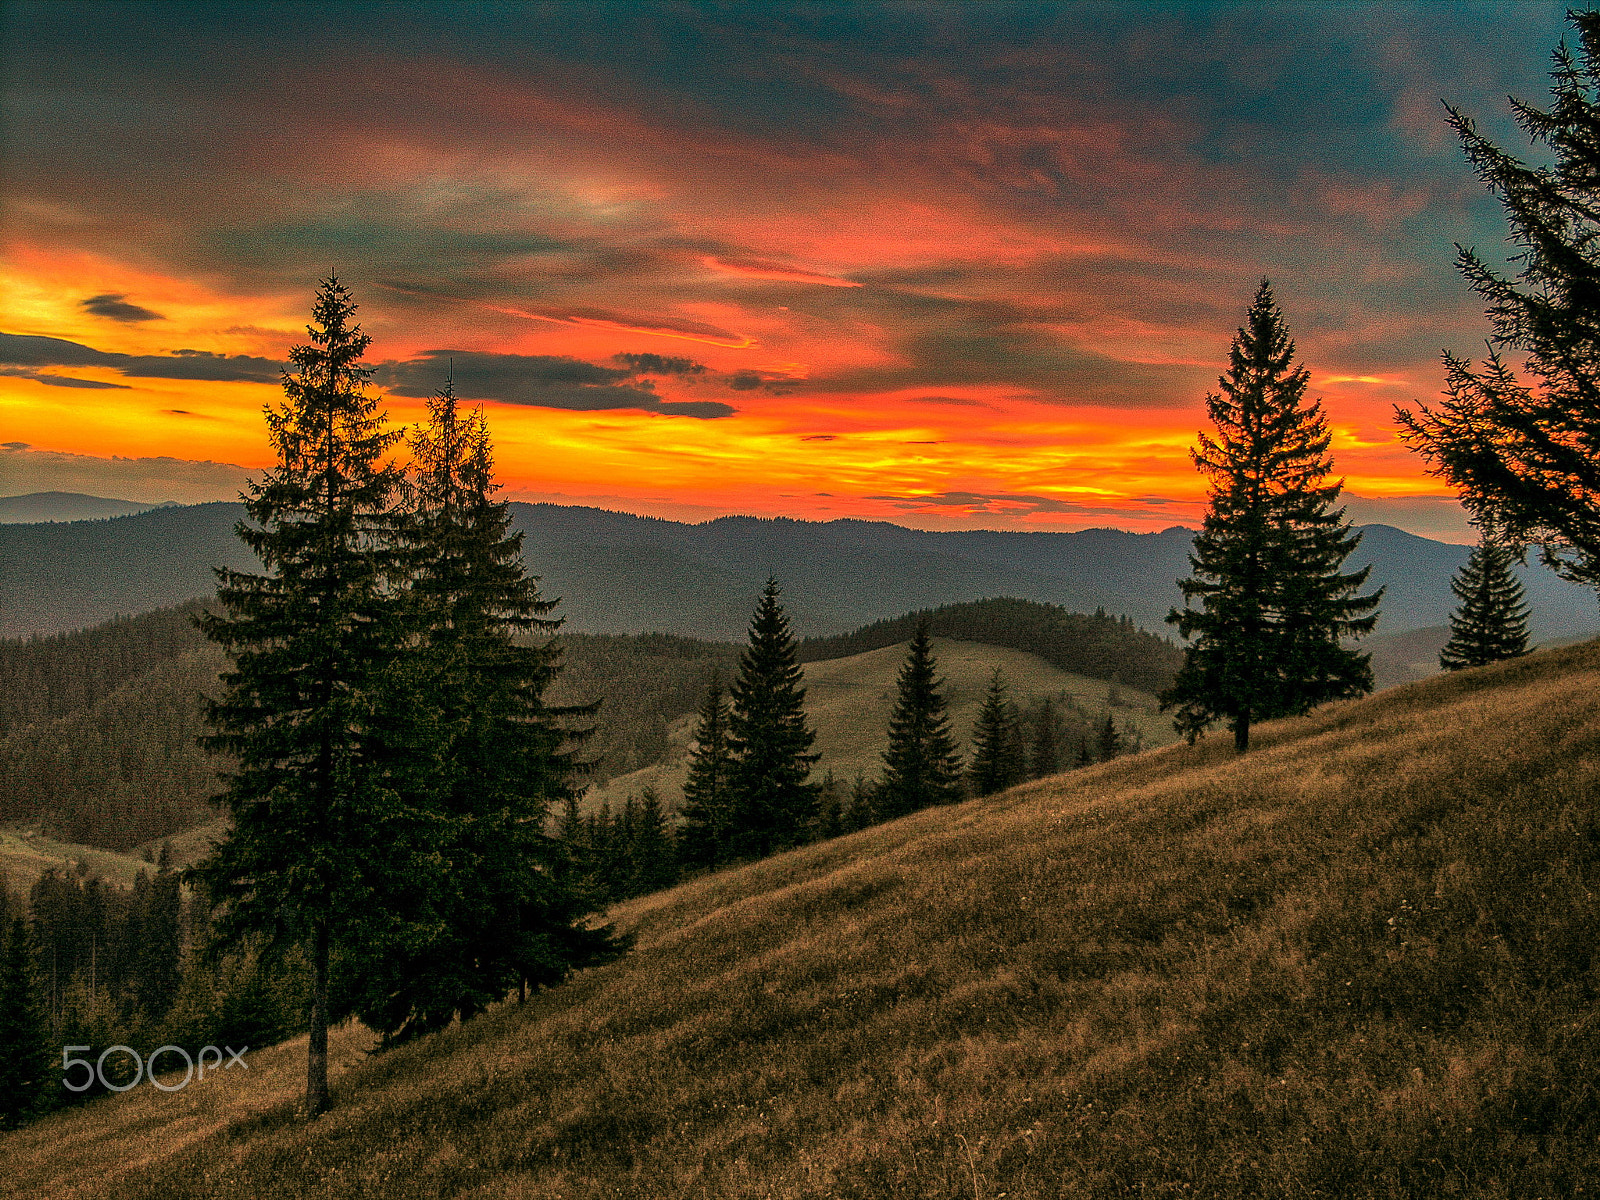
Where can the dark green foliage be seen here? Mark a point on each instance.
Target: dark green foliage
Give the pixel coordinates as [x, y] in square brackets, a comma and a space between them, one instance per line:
[614, 856]
[857, 812]
[996, 763]
[481, 752]
[1491, 623]
[1045, 753]
[922, 766]
[653, 858]
[1107, 742]
[773, 802]
[1274, 603]
[314, 712]
[1525, 451]
[707, 792]
[1099, 646]
[832, 803]
[24, 1037]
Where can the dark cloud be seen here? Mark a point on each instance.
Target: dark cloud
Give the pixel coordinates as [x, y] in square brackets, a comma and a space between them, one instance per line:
[821, 437]
[538, 380]
[21, 350]
[115, 306]
[66, 381]
[659, 364]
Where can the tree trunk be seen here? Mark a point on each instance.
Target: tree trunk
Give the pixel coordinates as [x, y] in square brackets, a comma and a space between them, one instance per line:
[1241, 731]
[317, 1048]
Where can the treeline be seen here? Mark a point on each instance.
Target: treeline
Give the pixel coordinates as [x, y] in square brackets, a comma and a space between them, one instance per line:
[1100, 646]
[86, 964]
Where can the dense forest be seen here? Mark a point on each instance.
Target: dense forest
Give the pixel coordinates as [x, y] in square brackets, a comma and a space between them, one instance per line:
[1099, 646]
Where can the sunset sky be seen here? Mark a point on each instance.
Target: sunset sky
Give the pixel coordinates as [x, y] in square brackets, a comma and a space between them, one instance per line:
[953, 265]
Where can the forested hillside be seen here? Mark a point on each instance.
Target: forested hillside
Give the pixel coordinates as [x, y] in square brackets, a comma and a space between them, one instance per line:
[53, 676]
[1099, 646]
[99, 737]
[98, 741]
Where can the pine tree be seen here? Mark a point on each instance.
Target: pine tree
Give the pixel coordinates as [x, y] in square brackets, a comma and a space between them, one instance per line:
[707, 796]
[1274, 603]
[320, 837]
[25, 1059]
[770, 739]
[1107, 742]
[654, 859]
[1044, 757]
[1491, 622]
[1523, 449]
[496, 756]
[995, 766]
[831, 808]
[858, 810]
[922, 766]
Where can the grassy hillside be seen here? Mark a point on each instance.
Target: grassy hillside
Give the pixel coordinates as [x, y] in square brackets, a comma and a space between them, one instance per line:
[1358, 962]
[848, 702]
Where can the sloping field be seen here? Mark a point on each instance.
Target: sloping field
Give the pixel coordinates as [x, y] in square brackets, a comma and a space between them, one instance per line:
[848, 701]
[1358, 962]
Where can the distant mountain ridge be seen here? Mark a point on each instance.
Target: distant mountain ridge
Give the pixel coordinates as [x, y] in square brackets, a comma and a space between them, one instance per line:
[620, 573]
[69, 506]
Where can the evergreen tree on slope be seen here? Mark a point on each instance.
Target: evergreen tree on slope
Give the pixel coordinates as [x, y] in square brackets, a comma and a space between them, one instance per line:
[995, 763]
[1491, 622]
[1274, 602]
[772, 801]
[922, 766]
[322, 835]
[500, 755]
[707, 798]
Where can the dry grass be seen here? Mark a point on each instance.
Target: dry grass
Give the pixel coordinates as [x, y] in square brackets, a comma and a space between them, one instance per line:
[1358, 962]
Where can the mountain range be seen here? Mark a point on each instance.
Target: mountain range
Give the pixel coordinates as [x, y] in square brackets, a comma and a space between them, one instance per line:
[620, 573]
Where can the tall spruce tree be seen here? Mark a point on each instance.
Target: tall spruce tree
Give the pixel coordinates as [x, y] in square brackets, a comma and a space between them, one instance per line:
[1491, 622]
[707, 793]
[995, 765]
[1044, 754]
[1525, 449]
[1275, 605]
[497, 757]
[772, 801]
[922, 766]
[321, 834]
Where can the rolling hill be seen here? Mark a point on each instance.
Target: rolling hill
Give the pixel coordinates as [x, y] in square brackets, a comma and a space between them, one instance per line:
[1358, 962]
[618, 573]
[848, 702]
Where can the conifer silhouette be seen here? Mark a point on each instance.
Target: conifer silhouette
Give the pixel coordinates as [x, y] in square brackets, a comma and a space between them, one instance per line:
[1491, 622]
[772, 802]
[922, 766]
[1521, 449]
[1275, 604]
